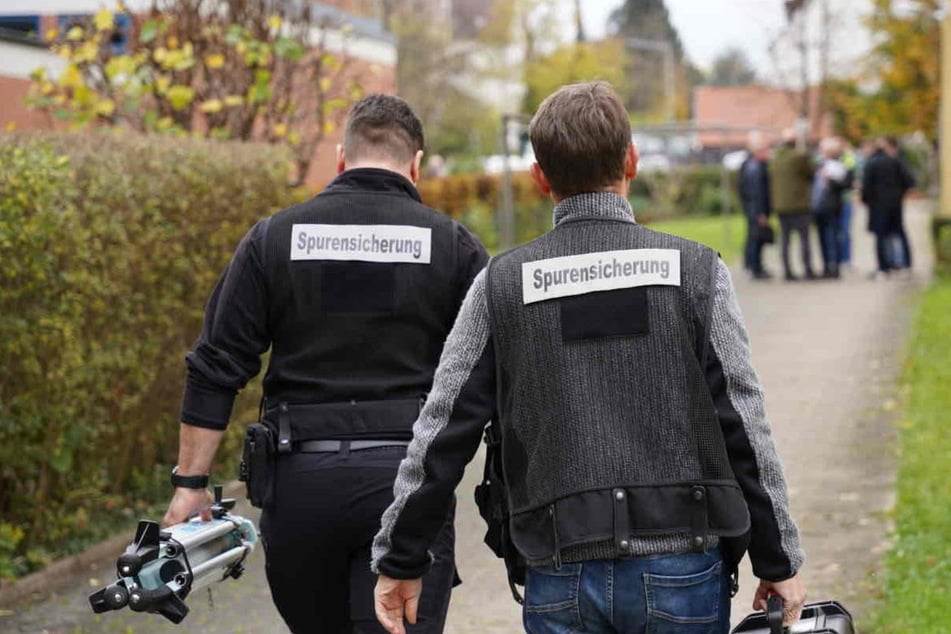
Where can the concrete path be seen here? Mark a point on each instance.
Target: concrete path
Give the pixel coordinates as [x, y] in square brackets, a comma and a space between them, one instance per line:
[829, 354]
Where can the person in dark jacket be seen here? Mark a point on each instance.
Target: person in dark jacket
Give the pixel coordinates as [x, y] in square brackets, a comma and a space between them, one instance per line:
[637, 458]
[885, 181]
[754, 196]
[354, 292]
[791, 173]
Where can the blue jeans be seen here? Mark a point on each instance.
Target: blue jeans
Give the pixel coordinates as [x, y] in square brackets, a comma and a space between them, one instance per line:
[830, 229]
[845, 231]
[672, 594]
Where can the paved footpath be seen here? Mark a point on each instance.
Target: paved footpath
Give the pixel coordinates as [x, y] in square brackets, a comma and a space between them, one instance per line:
[829, 355]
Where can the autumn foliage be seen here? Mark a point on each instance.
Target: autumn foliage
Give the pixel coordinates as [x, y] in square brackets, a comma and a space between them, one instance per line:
[248, 70]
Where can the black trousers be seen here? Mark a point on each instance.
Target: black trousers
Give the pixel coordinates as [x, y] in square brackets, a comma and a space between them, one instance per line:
[753, 251]
[317, 537]
[798, 222]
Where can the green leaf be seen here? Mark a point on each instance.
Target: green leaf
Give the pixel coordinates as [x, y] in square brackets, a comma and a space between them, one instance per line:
[289, 49]
[149, 30]
[234, 35]
[62, 460]
[179, 97]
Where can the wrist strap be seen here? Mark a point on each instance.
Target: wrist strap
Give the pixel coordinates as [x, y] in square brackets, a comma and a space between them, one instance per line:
[188, 482]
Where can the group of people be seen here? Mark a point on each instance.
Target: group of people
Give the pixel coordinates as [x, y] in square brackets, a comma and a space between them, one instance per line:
[638, 463]
[804, 191]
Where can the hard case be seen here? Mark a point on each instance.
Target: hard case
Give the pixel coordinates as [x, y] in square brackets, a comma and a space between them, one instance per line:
[822, 617]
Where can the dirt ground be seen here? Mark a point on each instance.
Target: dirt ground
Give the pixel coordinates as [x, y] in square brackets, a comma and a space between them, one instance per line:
[829, 354]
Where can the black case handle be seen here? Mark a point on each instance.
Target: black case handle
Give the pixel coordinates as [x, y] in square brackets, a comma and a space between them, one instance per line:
[774, 614]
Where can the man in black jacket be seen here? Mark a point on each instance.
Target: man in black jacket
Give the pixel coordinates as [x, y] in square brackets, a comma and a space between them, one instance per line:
[885, 182]
[637, 457]
[354, 292]
[754, 196]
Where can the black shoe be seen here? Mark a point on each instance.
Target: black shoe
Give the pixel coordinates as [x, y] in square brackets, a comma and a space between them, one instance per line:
[830, 275]
[762, 275]
[811, 276]
[792, 278]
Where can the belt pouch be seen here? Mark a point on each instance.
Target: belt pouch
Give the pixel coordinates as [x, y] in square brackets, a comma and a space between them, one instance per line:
[257, 464]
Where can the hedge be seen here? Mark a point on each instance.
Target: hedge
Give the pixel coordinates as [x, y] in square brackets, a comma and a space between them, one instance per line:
[109, 247]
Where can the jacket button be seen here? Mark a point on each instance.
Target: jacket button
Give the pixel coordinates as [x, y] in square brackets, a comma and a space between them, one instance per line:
[697, 541]
[619, 494]
[625, 545]
[698, 493]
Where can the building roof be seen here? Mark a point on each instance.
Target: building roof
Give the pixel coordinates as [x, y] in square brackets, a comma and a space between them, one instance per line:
[738, 109]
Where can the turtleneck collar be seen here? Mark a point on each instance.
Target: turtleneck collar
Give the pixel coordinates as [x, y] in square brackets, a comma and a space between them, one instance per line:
[598, 205]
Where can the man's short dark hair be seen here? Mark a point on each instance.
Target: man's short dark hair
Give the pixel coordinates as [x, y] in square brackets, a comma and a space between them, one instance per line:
[383, 127]
[580, 135]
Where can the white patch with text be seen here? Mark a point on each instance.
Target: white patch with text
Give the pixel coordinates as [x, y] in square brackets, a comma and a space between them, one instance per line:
[364, 243]
[604, 271]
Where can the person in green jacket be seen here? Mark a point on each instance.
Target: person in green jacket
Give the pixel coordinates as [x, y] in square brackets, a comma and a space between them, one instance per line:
[791, 173]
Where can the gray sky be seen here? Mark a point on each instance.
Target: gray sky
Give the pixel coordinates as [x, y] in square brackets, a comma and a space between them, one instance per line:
[707, 27]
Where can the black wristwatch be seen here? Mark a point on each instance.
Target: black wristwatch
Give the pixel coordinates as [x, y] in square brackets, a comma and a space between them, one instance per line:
[189, 482]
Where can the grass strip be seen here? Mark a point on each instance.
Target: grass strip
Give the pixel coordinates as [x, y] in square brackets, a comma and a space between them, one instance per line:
[917, 592]
[726, 235]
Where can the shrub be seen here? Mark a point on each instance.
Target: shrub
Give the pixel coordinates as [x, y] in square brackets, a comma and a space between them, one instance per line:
[109, 247]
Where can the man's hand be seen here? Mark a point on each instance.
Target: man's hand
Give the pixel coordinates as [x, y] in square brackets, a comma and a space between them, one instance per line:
[762, 220]
[187, 502]
[395, 597]
[791, 590]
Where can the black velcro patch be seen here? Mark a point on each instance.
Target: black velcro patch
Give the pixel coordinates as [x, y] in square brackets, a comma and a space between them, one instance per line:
[617, 313]
[365, 288]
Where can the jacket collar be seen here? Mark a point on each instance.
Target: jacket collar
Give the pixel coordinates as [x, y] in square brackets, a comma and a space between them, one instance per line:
[375, 180]
[600, 205]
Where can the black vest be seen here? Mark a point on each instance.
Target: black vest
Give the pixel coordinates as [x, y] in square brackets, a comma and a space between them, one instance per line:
[609, 430]
[356, 342]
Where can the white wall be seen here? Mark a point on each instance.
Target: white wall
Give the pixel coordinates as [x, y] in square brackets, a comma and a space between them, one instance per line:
[19, 60]
[365, 48]
[63, 7]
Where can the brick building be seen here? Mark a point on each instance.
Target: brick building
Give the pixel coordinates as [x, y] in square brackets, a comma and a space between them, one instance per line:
[724, 114]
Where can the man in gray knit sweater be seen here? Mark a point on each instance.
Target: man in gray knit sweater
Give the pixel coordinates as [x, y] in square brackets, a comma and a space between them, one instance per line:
[638, 462]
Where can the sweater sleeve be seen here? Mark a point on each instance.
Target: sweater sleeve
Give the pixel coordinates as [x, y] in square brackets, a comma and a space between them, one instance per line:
[775, 551]
[445, 438]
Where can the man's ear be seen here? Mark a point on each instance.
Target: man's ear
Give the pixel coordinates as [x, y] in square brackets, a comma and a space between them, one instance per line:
[630, 162]
[414, 168]
[540, 179]
[341, 159]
